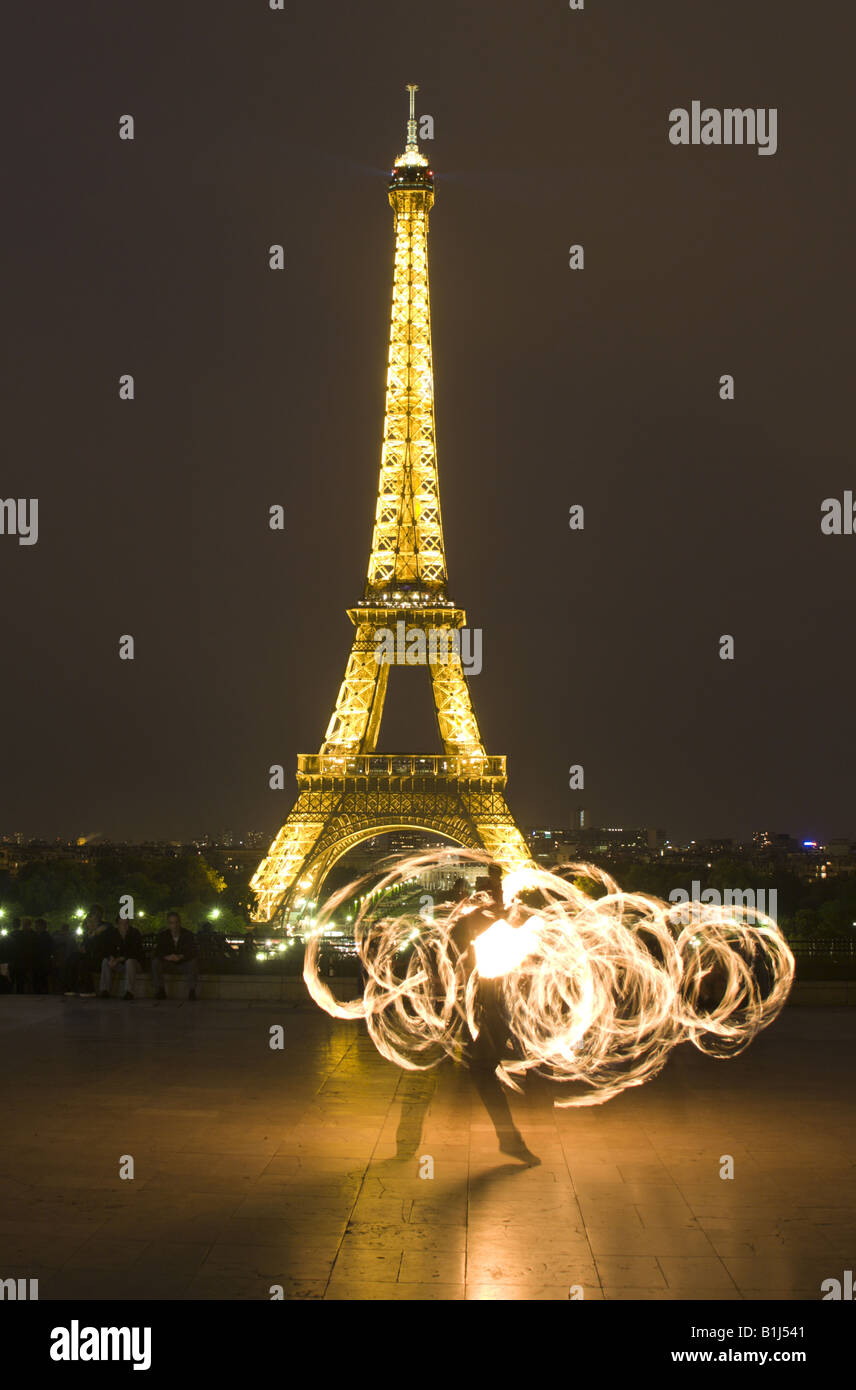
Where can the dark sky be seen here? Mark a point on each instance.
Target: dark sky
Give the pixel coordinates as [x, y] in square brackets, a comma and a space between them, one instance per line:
[553, 387]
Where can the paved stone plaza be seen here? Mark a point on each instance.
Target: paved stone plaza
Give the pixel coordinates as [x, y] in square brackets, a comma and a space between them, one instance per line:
[300, 1167]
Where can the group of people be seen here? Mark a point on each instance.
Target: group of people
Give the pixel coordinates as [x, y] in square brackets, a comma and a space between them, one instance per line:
[86, 964]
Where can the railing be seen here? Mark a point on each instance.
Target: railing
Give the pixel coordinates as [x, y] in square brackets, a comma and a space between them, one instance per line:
[213, 951]
[218, 956]
[815, 946]
[399, 765]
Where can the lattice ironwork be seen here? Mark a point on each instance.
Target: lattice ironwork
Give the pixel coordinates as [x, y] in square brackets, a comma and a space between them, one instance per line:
[347, 792]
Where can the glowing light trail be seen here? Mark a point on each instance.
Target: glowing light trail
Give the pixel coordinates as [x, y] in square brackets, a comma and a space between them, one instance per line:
[597, 989]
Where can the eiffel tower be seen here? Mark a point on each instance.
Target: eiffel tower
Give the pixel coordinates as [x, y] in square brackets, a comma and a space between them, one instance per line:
[347, 792]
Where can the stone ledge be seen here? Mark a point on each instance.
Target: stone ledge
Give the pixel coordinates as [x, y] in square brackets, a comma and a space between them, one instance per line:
[823, 992]
[805, 993]
[272, 987]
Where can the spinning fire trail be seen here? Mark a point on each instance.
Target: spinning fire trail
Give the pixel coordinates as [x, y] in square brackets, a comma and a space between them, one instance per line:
[597, 990]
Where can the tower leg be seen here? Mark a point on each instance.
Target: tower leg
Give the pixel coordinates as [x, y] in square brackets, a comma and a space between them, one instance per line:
[459, 728]
[355, 721]
[496, 829]
[280, 876]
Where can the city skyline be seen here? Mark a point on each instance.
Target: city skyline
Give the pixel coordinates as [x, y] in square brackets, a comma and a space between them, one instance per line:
[260, 837]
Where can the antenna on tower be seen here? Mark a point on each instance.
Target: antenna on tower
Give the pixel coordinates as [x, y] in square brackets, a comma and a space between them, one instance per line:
[412, 88]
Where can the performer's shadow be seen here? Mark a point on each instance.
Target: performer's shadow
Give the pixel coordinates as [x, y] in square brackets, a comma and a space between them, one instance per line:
[415, 1091]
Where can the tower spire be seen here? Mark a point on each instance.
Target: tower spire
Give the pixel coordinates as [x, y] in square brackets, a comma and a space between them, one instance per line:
[407, 544]
[411, 124]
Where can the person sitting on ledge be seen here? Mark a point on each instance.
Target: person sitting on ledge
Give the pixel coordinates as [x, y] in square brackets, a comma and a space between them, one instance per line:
[42, 957]
[176, 950]
[82, 963]
[24, 948]
[63, 947]
[123, 950]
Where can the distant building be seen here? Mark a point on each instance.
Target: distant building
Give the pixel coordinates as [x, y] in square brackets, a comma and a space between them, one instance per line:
[720, 845]
[551, 845]
[772, 839]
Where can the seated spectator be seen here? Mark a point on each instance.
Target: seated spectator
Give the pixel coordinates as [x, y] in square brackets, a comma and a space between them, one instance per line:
[6, 955]
[212, 946]
[122, 945]
[24, 957]
[71, 965]
[64, 946]
[88, 957]
[175, 951]
[11, 950]
[42, 957]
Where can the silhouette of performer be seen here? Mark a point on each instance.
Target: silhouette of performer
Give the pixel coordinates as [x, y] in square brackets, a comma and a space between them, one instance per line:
[485, 1053]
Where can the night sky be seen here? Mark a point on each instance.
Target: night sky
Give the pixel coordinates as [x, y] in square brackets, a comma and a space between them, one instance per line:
[554, 387]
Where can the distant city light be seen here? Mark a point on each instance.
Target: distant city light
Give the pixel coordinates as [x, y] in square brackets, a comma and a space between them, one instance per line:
[214, 914]
[81, 912]
[809, 844]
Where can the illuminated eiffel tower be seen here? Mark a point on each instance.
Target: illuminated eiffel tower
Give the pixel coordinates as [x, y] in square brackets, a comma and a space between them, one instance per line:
[347, 792]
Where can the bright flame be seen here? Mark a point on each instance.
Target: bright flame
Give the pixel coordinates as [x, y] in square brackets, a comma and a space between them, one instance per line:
[596, 990]
[517, 882]
[502, 948]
